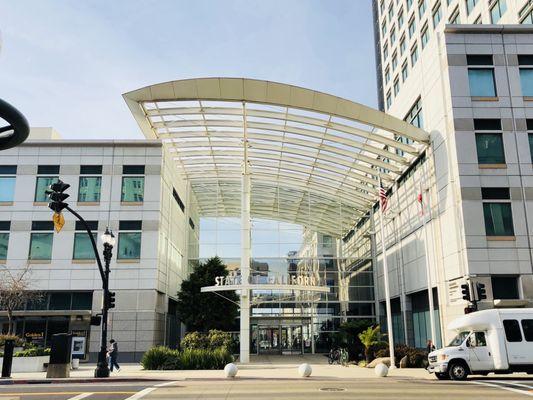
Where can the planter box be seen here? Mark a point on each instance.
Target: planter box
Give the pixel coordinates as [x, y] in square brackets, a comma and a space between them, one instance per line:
[28, 364]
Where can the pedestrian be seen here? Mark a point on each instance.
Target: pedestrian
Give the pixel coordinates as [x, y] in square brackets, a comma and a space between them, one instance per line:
[112, 353]
[430, 346]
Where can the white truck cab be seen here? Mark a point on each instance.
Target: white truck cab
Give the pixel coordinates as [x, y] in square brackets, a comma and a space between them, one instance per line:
[497, 340]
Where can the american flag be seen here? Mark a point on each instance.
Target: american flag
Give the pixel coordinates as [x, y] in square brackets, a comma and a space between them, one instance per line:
[383, 198]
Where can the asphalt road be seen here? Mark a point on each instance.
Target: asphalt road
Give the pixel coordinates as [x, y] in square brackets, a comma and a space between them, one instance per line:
[256, 389]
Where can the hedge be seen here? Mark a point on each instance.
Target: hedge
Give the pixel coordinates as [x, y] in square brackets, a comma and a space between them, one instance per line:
[163, 358]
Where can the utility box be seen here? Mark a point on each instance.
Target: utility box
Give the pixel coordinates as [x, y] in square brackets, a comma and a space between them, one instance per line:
[59, 366]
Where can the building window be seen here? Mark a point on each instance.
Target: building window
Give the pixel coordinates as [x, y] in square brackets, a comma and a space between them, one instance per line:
[391, 11]
[454, 17]
[424, 36]
[497, 212]
[529, 123]
[481, 78]
[505, 287]
[129, 240]
[83, 248]
[497, 10]
[477, 21]
[526, 74]
[394, 61]
[414, 116]
[422, 5]
[414, 55]
[403, 45]
[48, 174]
[396, 86]
[90, 186]
[437, 15]
[489, 144]
[392, 36]
[400, 18]
[7, 183]
[132, 186]
[409, 4]
[178, 200]
[5, 226]
[389, 99]
[384, 28]
[385, 51]
[382, 7]
[412, 27]
[387, 75]
[470, 4]
[41, 240]
[404, 71]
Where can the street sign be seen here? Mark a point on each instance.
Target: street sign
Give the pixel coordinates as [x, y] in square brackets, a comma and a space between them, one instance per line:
[59, 221]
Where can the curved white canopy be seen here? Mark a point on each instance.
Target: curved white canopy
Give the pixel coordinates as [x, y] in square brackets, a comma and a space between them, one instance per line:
[314, 158]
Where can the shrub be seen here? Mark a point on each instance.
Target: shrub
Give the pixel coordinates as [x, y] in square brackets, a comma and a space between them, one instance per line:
[18, 341]
[416, 358]
[219, 339]
[33, 352]
[195, 340]
[159, 358]
[156, 358]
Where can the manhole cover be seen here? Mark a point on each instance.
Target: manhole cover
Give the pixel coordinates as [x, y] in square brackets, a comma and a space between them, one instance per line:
[332, 389]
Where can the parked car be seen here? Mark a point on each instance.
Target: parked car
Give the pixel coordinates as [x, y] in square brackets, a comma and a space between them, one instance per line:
[497, 340]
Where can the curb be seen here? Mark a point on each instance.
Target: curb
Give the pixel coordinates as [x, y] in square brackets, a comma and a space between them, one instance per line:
[10, 381]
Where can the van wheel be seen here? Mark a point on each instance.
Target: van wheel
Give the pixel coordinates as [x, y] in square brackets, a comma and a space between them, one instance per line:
[458, 371]
[442, 376]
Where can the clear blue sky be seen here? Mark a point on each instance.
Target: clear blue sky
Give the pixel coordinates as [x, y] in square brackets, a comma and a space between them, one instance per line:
[66, 63]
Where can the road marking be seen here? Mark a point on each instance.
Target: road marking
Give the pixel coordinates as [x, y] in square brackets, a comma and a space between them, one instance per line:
[146, 391]
[503, 388]
[514, 384]
[55, 393]
[80, 396]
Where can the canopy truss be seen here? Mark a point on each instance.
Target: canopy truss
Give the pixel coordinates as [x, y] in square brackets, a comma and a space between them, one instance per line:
[314, 158]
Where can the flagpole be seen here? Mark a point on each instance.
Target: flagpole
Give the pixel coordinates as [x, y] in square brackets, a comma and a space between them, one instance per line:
[386, 279]
[428, 269]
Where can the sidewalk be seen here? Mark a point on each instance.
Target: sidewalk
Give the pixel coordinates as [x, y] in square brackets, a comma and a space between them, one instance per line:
[264, 367]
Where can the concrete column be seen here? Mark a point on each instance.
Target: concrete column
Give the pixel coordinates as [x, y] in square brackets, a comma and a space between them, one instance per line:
[245, 250]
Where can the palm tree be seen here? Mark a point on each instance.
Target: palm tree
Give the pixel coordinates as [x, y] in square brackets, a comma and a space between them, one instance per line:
[370, 337]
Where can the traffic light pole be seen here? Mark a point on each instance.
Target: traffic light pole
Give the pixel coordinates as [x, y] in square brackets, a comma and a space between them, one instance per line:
[102, 367]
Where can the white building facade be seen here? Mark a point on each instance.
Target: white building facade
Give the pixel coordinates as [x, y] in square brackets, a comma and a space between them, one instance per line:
[469, 86]
[128, 186]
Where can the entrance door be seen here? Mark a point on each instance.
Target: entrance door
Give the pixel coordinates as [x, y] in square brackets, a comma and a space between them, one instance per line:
[291, 340]
[268, 340]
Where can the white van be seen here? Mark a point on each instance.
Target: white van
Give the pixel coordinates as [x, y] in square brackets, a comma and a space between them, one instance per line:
[497, 340]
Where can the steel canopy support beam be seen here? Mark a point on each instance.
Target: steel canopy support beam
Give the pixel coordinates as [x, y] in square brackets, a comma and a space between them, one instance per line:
[245, 249]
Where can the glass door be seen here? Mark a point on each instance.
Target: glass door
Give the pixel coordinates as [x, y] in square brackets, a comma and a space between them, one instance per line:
[291, 339]
[268, 340]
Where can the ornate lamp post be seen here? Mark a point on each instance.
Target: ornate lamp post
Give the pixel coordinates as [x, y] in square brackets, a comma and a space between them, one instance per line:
[102, 368]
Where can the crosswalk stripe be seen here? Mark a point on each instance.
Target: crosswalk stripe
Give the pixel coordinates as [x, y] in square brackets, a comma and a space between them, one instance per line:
[502, 387]
[81, 396]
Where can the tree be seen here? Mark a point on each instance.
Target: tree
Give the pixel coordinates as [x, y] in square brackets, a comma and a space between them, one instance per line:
[370, 337]
[349, 332]
[205, 311]
[15, 292]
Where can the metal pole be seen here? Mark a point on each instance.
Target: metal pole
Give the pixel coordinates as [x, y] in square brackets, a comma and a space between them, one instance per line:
[245, 249]
[386, 282]
[428, 269]
[102, 368]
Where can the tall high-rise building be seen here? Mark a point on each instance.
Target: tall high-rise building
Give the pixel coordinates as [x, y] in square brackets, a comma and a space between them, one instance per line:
[463, 71]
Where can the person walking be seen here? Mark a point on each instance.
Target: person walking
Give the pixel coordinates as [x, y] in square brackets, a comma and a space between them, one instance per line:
[430, 346]
[112, 353]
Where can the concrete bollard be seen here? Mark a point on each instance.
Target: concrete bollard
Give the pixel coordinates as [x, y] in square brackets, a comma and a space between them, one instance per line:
[305, 370]
[381, 370]
[230, 370]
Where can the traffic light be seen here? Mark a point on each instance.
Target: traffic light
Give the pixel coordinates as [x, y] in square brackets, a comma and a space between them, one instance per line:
[469, 310]
[110, 300]
[465, 289]
[96, 320]
[57, 197]
[481, 292]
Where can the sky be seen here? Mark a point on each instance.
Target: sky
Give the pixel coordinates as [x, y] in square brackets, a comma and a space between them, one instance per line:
[66, 63]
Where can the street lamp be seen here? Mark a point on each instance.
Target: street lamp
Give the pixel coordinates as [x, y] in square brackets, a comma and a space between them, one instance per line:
[102, 368]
